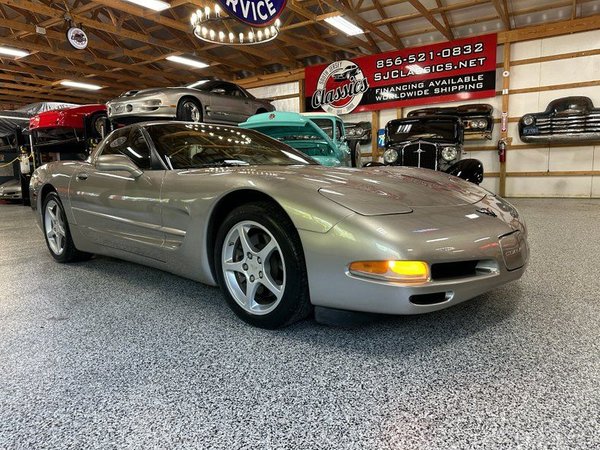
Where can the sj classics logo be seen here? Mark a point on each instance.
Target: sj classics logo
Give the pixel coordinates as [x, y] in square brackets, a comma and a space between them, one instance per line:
[340, 88]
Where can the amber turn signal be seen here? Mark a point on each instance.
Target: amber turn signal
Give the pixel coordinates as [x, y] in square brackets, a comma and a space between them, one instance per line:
[412, 272]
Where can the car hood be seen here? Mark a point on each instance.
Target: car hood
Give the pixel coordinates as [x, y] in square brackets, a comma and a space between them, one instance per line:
[11, 184]
[397, 190]
[142, 93]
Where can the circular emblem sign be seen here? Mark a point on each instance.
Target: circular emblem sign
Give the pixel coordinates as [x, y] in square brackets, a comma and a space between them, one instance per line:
[258, 13]
[77, 38]
[340, 88]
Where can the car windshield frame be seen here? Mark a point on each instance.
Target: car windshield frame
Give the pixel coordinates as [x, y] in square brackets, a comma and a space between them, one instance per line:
[188, 146]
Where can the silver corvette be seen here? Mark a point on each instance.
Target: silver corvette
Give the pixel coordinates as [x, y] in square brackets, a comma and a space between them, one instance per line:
[277, 232]
[206, 100]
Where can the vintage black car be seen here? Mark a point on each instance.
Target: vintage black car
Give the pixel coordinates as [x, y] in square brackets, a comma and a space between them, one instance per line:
[567, 119]
[477, 118]
[431, 142]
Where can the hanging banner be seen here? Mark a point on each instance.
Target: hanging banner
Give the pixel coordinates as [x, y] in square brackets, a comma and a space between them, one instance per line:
[459, 70]
[257, 13]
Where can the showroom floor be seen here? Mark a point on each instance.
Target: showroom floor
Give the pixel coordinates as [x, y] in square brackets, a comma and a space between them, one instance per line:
[107, 354]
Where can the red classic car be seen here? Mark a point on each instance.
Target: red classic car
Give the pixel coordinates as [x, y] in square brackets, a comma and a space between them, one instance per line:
[77, 124]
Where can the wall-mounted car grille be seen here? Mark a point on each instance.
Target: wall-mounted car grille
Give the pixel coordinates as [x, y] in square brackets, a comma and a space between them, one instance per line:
[420, 155]
[569, 124]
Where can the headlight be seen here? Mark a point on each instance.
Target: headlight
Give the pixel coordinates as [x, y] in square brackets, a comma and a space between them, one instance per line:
[390, 156]
[358, 131]
[528, 120]
[481, 123]
[153, 102]
[449, 153]
[406, 272]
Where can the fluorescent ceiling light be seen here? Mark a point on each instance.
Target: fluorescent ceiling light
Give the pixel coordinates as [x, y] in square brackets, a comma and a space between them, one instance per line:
[156, 5]
[344, 25]
[188, 61]
[75, 84]
[13, 52]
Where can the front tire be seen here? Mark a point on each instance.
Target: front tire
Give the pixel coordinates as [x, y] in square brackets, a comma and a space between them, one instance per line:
[356, 154]
[260, 266]
[189, 110]
[57, 232]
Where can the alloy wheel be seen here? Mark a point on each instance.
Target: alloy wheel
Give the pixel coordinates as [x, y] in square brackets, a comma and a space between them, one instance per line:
[54, 227]
[253, 267]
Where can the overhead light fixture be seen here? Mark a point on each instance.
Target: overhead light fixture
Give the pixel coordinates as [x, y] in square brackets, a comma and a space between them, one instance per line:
[209, 25]
[344, 25]
[188, 61]
[76, 84]
[156, 5]
[13, 52]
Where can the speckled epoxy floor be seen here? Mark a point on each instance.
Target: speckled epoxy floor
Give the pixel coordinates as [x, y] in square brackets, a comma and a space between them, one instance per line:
[106, 354]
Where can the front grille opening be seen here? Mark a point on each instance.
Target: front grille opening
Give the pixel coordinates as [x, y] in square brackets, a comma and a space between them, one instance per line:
[457, 269]
[428, 299]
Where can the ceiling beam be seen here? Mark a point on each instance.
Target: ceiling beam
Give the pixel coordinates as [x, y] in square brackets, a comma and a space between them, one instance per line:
[425, 13]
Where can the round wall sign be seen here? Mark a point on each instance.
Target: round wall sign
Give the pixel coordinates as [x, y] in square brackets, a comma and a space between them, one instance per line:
[258, 13]
[77, 38]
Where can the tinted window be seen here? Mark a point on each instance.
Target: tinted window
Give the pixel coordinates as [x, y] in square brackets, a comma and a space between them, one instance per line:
[130, 143]
[187, 146]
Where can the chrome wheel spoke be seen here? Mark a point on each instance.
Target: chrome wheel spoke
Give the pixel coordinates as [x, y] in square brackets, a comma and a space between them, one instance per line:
[251, 289]
[268, 282]
[267, 250]
[244, 239]
[232, 266]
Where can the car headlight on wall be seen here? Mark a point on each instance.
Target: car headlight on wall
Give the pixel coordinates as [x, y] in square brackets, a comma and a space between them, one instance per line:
[528, 119]
[390, 156]
[449, 153]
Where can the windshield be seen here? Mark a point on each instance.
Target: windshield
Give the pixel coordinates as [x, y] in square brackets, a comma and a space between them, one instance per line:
[443, 131]
[189, 146]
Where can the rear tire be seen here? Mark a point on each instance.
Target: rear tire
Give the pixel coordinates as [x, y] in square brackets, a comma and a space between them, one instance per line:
[189, 110]
[57, 232]
[260, 266]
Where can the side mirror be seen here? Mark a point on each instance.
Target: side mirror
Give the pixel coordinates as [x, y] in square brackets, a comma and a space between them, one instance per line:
[118, 163]
[468, 169]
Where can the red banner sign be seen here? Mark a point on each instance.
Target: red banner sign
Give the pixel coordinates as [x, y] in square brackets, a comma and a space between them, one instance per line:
[459, 70]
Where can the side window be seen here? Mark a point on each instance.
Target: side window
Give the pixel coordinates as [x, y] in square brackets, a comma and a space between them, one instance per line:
[232, 90]
[132, 144]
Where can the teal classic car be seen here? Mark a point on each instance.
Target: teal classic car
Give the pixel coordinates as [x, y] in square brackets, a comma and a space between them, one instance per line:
[319, 135]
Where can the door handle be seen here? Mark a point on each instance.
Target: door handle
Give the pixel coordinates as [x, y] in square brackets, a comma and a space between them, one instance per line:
[82, 176]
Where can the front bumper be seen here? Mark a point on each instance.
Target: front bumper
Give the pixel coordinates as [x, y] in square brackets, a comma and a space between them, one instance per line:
[139, 108]
[360, 238]
[11, 196]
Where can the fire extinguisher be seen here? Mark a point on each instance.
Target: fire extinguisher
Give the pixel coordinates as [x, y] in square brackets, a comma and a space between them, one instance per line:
[502, 150]
[24, 161]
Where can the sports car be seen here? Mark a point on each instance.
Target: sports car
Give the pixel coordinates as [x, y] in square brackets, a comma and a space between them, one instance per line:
[276, 231]
[11, 190]
[69, 126]
[205, 100]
